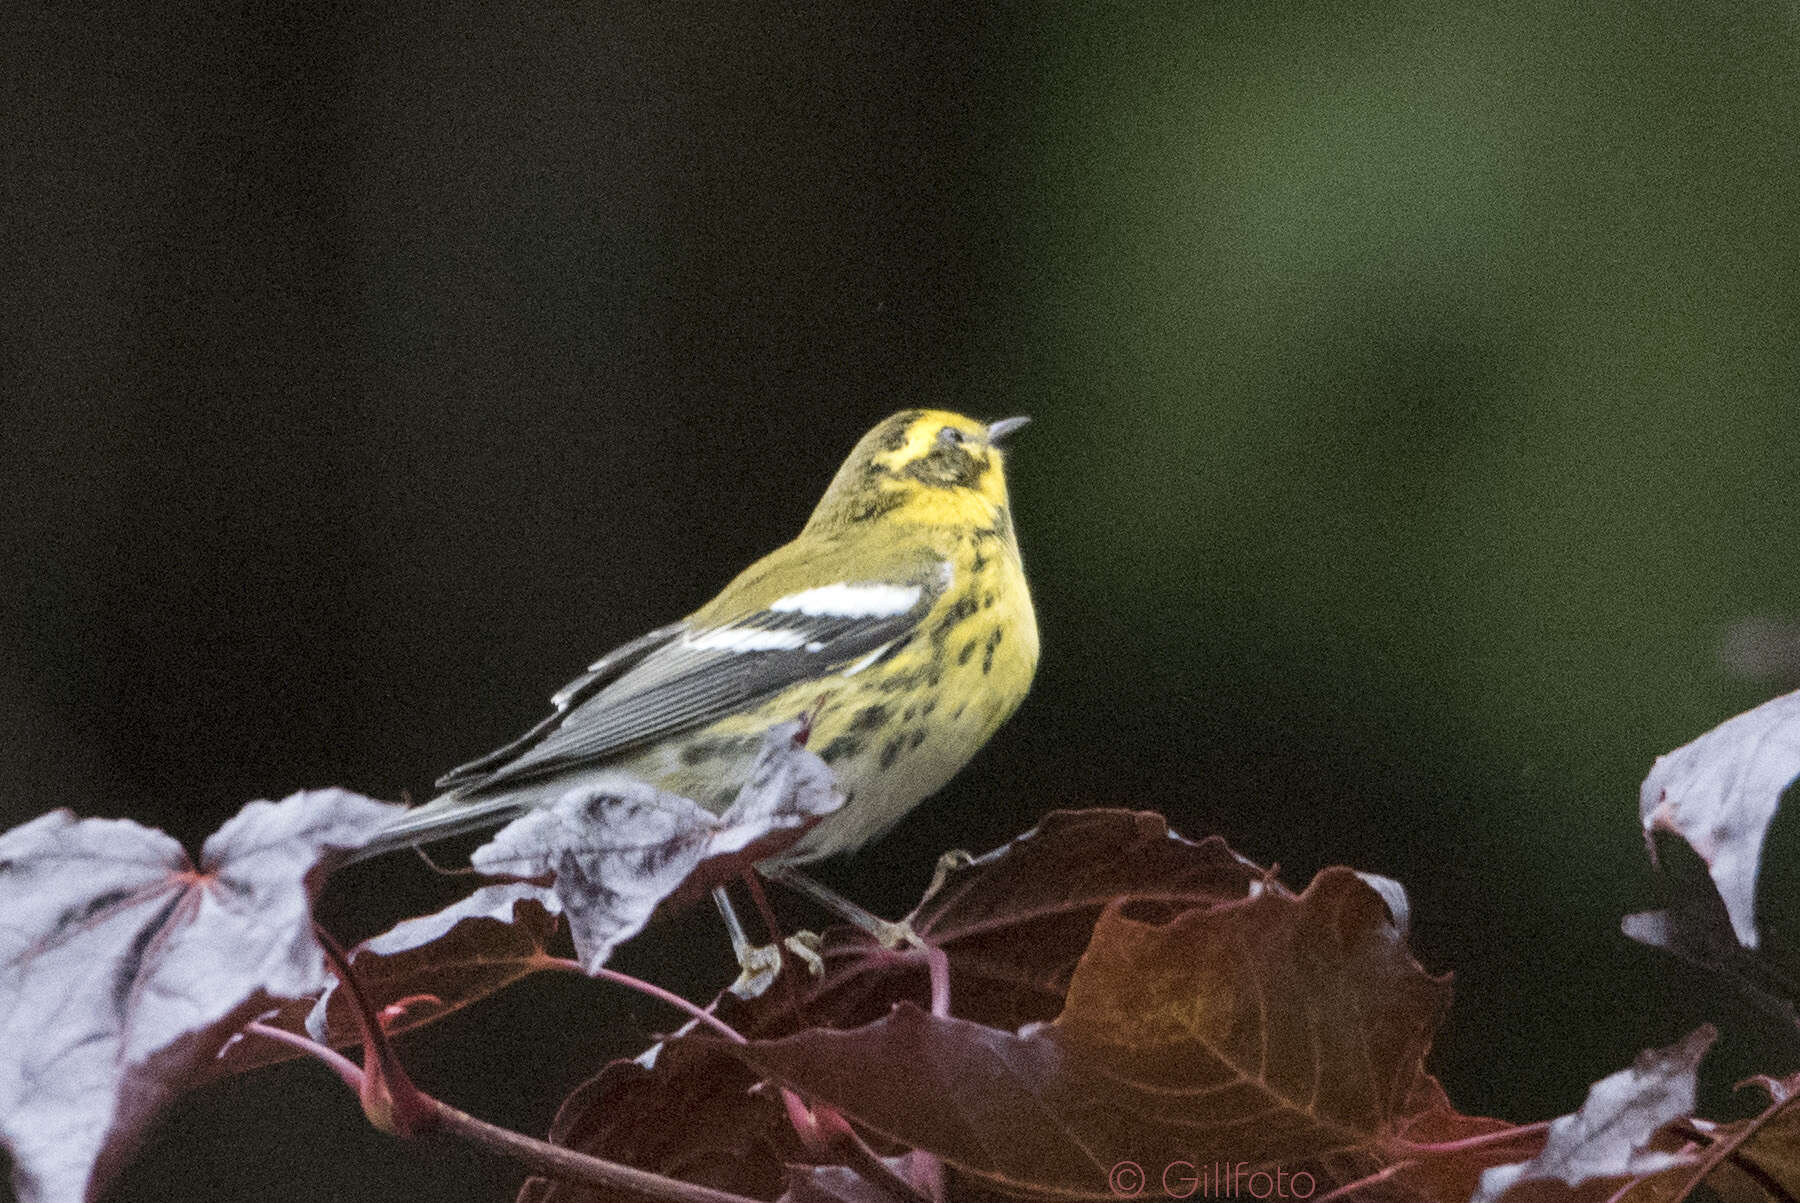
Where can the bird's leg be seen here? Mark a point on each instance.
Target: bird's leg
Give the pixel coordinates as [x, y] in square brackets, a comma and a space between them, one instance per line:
[757, 963]
[804, 945]
[890, 935]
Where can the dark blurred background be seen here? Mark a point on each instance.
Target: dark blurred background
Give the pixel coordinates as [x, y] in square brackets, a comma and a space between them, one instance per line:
[1413, 395]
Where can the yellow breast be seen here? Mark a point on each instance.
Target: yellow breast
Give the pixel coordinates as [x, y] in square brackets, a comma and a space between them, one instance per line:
[894, 728]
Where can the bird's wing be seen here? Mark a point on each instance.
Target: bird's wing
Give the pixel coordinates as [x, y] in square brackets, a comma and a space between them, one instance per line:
[700, 670]
[599, 675]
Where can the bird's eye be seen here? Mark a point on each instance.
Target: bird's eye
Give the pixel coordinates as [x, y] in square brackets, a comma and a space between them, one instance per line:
[951, 435]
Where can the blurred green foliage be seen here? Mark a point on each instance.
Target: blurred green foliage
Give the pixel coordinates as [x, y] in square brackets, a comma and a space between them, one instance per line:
[1430, 368]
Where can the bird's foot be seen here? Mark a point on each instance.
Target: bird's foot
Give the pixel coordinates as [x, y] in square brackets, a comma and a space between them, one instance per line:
[894, 936]
[758, 966]
[805, 945]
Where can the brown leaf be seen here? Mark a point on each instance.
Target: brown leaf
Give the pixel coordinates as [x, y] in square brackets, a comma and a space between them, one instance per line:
[1766, 1167]
[1280, 1032]
[1761, 1166]
[1014, 923]
[698, 1115]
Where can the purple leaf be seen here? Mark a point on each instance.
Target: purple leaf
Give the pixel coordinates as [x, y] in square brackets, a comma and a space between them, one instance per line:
[841, 1184]
[1607, 1138]
[123, 968]
[1720, 792]
[612, 855]
[489, 902]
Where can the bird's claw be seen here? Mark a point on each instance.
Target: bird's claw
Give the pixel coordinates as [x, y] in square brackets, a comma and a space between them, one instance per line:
[805, 945]
[758, 966]
[893, 936]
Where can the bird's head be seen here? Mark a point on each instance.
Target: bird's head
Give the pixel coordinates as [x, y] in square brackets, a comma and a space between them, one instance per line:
[921, 465]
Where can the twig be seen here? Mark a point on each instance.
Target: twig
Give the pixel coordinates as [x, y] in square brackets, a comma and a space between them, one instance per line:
[1725, 1148]
[1506, 1136]
[541, 1156]
[554, 1161]
[388, 1095]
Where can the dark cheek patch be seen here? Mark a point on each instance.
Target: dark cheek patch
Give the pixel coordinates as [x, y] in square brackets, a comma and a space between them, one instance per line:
[948, 467]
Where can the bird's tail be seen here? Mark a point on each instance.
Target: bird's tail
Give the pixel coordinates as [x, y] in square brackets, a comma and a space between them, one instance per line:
[441, 818]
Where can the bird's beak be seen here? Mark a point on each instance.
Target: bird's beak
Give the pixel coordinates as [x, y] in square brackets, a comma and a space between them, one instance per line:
[1005, 426]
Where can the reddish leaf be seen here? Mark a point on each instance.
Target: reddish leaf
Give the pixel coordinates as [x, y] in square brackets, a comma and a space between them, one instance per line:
[1190, 932]
[414, 986]
[698, 1115]
[833, 1184]
[1765, 1167]
[1014, 923]
[1706, 809]
[1753, 1160]
[1697, 928]
[123, 968]
[1286, 1033]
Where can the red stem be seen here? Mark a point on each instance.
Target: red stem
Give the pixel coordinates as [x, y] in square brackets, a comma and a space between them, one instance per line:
[1436, 1149]
[347, 1070]
[1381, 1175]
[1725, 1148]
[654, 991]
[541, 1156]
[937, 969]
[389, 1098]
[762, 904]
[1476, 1142]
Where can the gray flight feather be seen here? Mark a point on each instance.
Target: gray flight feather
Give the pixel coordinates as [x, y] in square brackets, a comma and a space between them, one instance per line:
[671, 680]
